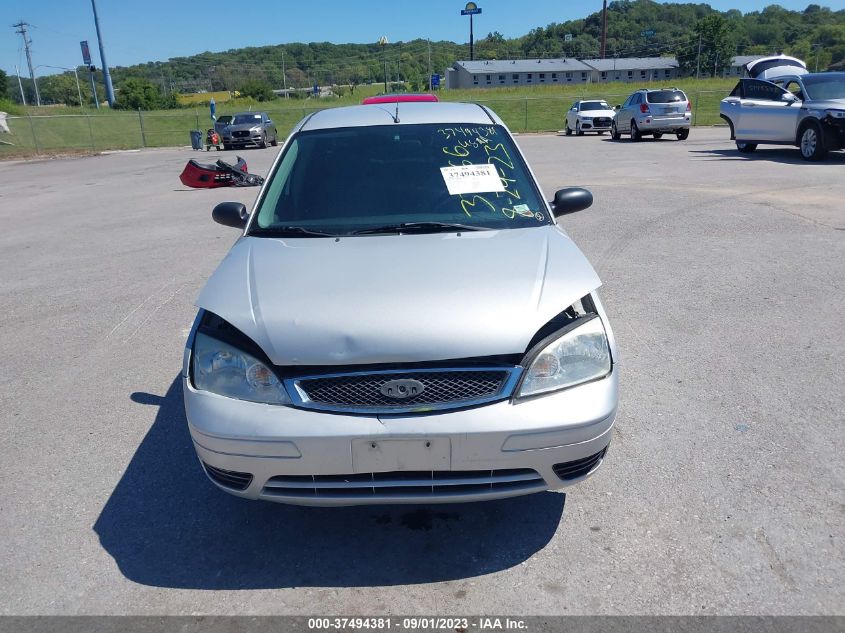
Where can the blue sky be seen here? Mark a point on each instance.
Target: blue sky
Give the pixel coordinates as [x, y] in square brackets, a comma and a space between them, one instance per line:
[155, 30]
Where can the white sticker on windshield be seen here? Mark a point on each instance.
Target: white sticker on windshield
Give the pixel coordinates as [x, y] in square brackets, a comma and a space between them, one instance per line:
[472, 179]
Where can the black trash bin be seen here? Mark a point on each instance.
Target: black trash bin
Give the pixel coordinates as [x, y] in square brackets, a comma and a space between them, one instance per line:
[196, 139]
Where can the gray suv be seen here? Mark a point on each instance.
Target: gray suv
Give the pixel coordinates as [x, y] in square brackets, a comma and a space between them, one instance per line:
[249, 128]
[653, 112]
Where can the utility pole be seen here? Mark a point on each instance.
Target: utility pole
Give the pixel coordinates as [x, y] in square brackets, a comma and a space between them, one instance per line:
[698, 65]
[106, 75]
[20, 85]
[604, 30]
[284, 76]
[430, 89]
[383, 42]
[21, 26]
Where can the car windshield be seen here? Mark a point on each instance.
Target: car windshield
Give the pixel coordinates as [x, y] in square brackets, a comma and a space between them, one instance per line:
[594, 105]
[224, 119]
[343, 181]
[825, 86]
[240, 119]
[666, 96]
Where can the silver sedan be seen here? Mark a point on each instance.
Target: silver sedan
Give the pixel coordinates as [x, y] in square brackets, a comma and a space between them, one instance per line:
[401, 321]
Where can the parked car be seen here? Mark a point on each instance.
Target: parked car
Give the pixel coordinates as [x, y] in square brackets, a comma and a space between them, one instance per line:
[789, 107]
[589, 116]
[653, 112]
[249, 128]
[401, 321]
[221, 123]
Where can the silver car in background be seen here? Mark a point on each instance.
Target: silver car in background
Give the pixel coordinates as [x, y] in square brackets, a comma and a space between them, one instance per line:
[783, 104]
[401, 321]
[250, 128]
[592, 115]
[653, 112]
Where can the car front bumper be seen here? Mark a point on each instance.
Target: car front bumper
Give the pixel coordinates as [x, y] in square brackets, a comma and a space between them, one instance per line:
[253, 139]
[305, 457]
[596, 125]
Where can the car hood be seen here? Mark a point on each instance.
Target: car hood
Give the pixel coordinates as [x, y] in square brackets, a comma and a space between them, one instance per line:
[837, 104]
[397, 298]
[597, 113]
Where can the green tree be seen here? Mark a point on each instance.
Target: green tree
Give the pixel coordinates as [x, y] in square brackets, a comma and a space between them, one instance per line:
[717, 46]
[62, 89]
[135, 93]
[4, 83]
[258, 90]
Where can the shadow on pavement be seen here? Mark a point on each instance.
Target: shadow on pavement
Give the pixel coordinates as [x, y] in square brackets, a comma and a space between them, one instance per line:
[166, 525]
[786, 155]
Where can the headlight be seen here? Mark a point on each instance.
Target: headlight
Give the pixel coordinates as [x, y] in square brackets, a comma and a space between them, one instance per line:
[579, 355]
[257, 128]
[835, 114]
[586, 118]
[227, 371]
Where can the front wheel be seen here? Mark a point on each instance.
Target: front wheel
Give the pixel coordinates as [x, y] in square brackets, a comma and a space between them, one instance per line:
[812, 144]
[682, 134]
[578, 130]
[745, 148]
[275, 140]
[635, 132]
[567, 130]
[658, 135]
[263, 143]
[614, 132]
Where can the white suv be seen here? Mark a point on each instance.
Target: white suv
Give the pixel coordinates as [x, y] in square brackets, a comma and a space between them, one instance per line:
[653, 112]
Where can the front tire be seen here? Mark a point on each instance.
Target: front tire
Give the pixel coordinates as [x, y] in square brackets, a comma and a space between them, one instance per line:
[567, 130]
[745, 148]
[636, 136]
[275, 140]
[578, 130]
[263, 143]
[614, 132]
[658, 135]
[812, 142]
[682, 134]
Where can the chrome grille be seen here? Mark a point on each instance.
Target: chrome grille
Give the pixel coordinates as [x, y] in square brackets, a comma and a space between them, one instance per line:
[405, 484]
[601, 122]
[446, 388]
[240, 133]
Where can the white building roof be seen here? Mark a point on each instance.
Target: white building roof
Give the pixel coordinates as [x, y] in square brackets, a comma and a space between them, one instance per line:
[632, 63]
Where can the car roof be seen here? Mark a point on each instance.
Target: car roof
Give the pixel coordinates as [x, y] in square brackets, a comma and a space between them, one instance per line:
[250, 112]
[450, 113]
[408, 97]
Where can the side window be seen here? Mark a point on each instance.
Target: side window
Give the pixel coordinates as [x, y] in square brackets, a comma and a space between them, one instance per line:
[737, 91]
[795, 88]
[762, 90]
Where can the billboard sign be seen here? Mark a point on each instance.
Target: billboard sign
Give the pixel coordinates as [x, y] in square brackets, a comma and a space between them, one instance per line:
[86, 52]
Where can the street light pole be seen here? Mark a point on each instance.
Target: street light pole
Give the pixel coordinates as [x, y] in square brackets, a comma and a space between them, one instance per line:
[75, 74]
[383, 42]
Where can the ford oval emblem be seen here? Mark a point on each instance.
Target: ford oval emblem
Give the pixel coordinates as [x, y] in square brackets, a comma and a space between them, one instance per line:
[402, 389]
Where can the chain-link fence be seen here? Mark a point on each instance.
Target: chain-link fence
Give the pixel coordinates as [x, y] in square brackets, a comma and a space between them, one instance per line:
[133, 130]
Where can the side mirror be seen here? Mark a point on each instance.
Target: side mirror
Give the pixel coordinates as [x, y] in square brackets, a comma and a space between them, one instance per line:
[788, 97]
[232, 214]
[618, 106]
[570, 200]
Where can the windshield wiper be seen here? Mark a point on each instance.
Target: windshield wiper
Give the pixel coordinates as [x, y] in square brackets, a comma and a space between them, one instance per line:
[288, 231]
[419, 227]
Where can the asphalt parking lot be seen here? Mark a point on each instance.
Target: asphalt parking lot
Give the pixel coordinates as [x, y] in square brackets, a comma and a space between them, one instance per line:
[724, 488]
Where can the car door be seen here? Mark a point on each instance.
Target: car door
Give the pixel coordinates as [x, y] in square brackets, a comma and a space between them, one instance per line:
[572, 115]
[623, 115]
[765, 114]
